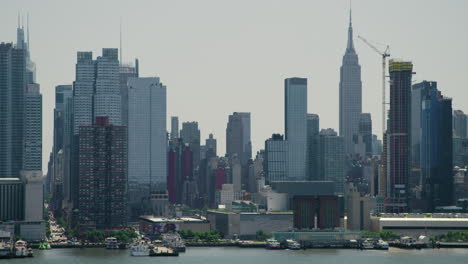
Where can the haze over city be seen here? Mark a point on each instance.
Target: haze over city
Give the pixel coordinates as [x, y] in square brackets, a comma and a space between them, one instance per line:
[217, 57]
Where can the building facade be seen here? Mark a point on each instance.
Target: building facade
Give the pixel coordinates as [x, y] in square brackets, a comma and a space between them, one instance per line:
[295, 96]
[102, 192]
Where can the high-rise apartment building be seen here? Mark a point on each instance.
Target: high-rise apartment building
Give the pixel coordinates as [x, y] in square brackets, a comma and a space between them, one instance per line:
[102, 194]
[147, 139]
[399, 134]
[295, 103]
[350, 93]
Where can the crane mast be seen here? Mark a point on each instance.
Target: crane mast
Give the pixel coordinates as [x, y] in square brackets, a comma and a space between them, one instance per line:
[384, 55]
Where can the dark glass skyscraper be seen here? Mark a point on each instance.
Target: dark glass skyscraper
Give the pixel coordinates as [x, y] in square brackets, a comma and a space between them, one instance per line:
[399, 134]
[350, 93]
[436, 148]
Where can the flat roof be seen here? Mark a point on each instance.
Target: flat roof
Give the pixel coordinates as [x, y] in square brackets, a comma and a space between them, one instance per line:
[427, 219]
[172, 220]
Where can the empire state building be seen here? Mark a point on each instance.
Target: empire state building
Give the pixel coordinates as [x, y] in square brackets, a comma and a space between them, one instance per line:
[350, 93]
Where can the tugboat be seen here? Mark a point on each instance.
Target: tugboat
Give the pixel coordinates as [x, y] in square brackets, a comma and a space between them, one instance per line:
[292, 244]
[273, 244]
[139, 249]
[111, 243]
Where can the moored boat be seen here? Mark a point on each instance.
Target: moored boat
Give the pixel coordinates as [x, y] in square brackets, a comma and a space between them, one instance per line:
[111, 243]
[273, 244]
[140, 248]
[293, 244]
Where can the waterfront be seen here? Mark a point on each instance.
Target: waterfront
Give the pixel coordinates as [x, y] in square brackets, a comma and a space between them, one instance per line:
[257, 256]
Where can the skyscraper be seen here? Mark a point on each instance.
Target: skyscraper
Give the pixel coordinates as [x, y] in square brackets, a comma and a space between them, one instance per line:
[332, 158]
[399, 134]
[436, 148]
[295, 103]
[147, 139]
[32, 154]
[210, 144]
[190, 135]
[102, 188]
[350, 93]
[174, 127]
[238, 140]
[276, 154]
[364, 135]
[313, 128]
[126, 71]
[459, 124]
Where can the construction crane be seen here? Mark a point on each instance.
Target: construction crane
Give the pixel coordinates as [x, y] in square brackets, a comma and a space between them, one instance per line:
[384, 55]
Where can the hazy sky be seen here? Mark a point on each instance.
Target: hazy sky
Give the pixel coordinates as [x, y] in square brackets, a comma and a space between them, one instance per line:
[217, 56]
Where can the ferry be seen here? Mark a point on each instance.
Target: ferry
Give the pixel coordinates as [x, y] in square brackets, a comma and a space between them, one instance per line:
[273, 244]
[21, 249]
[174, 241]
[139, 249]
[111, 243]
[292, 244]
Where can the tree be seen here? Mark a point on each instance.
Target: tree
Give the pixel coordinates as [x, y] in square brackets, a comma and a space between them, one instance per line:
[262, 235]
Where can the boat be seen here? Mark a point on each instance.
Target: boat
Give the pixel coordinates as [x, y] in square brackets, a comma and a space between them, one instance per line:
[174, 241]
[44, 245]
[367, 244]
[140, 248]
[381, 245]
[21, 249]
[273, 244]
[292, 244]
[5, 249]
[111, 243]
[29, 253]
[123, 245]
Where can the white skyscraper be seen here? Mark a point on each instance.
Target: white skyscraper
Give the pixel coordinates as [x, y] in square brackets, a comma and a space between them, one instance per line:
[147, 139]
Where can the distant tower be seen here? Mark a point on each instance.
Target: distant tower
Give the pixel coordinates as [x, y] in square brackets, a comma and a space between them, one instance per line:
[350, 93]
[174, 127]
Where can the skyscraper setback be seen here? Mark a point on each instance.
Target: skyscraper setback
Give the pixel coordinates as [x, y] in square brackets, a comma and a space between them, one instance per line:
[350, 93]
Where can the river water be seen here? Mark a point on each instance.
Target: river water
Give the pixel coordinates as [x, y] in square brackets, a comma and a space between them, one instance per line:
[244, 256]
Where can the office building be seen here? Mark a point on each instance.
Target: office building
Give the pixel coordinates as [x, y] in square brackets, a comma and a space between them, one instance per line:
[238, 142]
[276, 154]
[126, 71]
[313, 128]
[350, 93]
[12, 199]
[459, 124]
[102, 195]
[210, 145]
[332, 158]
[436, 149]
[358, 211]
[190, 135]
[399, 134]
[32, 153]
[147, 139]
[174, 128]
[295, 96]
[460, 152]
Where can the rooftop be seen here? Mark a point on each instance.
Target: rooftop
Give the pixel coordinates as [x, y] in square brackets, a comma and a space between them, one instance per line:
[171, 220]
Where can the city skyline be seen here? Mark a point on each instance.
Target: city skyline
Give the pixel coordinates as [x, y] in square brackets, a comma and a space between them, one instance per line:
[177, 66]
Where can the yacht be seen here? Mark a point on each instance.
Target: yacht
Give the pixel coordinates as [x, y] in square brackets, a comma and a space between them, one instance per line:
[273, 244]
[140, 248]
[111, 243]
[293, 244]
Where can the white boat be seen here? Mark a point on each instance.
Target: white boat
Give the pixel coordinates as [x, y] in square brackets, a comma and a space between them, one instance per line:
[293, 244]
[139, 249]
[273, 244]
[367, 244]
[381, 244]
[111, 243]
[5, 249]
[21, 249]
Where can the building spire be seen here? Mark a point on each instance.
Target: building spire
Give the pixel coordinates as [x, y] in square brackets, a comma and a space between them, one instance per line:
[120, 55]
[27, 28]
[350, 46]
